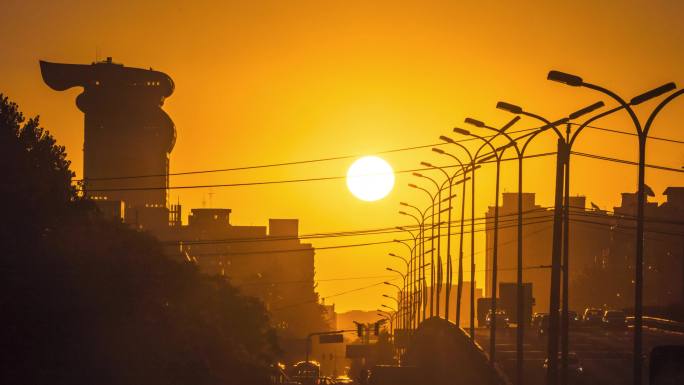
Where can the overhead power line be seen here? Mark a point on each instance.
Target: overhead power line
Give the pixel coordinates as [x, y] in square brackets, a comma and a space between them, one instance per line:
[479, 221]
[526, 236]
[623, 161]
[354, 290]
[343, 246]
[660, 138]
[346, 233]
[512, 217]
[529, 267]
[291, 163]
[334, 295]
[283, 181]
[538, 220]
[328, 178]
[342, 157]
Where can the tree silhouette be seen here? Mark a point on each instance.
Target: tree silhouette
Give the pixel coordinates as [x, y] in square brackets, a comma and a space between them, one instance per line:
[89, 301]
[36, 179]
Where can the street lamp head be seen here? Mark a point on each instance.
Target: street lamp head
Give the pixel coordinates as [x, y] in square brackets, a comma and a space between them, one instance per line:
[512, 108]
[412, 185]
[486, 158]
[505, 146]
[385, 295]
[403, 204]
[403, 213]
[654, 93]
[392, 255]
[446, 139]
[438, 150]
[461, 131]
[426, 164]
[586, 110]
[389, 269]
[510, 124]
[418, 174]
[565, 78]
[474, 122]
[387, 283]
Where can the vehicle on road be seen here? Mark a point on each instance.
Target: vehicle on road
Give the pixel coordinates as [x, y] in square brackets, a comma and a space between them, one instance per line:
[592, 317]
[614, 319]
[501, 318]
[574, 364]
[306, 373]
[543, 325]
[343, 380]
[536, 320]
[277, 376]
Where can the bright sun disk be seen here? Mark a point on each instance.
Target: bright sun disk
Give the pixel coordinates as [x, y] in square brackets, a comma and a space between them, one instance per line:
[370, 178]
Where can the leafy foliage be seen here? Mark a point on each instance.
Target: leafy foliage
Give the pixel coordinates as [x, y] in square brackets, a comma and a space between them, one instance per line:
[36, 185]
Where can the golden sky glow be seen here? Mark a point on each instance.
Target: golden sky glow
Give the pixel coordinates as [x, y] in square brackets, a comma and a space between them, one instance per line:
[264, 82]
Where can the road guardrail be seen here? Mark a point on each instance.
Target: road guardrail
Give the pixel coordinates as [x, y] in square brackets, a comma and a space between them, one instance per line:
[660, 323]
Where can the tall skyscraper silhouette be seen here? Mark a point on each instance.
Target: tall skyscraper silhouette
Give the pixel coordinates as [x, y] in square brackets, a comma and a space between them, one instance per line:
[127, 134]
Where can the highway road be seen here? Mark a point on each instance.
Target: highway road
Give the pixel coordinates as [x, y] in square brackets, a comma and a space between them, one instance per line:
[606, 355]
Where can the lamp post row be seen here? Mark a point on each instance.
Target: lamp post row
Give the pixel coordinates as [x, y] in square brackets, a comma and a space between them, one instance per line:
[558, 325]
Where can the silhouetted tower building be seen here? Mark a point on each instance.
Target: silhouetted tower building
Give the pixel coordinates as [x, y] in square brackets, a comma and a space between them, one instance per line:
[126, 134]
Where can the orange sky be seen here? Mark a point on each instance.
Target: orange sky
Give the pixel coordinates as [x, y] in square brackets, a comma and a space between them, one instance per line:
[261, 82]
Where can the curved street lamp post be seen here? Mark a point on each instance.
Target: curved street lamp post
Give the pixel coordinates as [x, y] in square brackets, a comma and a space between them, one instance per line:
[450, 180]
[642, 134]
[435, 275]
[494, 155]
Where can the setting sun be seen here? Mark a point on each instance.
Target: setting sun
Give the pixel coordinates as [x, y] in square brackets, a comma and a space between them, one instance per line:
[370, 178]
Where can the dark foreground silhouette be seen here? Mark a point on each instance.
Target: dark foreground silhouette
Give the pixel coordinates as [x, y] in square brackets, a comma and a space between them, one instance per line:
[88, 301]
[444, 354]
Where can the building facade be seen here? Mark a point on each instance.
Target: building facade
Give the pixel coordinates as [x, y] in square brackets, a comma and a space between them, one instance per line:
[266, 262]
[128, 139]
[601, 251]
